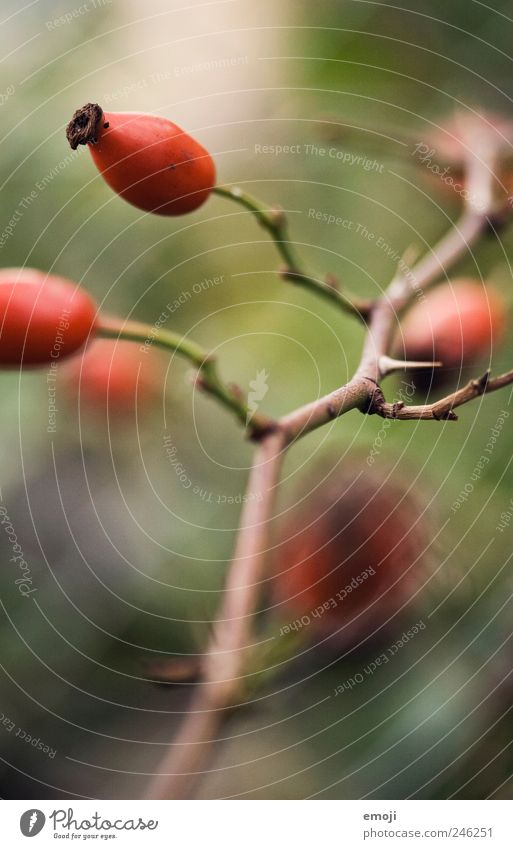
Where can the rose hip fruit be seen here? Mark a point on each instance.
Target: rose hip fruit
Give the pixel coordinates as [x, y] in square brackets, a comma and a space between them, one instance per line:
[42, 317]
[350, 560]
[455, 324]
[112, 377]
[148, 160]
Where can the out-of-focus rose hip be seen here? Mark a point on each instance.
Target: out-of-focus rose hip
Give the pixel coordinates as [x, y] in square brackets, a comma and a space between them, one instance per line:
[456, 324]
[351, 559]
[113, 378]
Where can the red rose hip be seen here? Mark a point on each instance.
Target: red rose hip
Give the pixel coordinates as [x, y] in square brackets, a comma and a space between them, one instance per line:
[43, 317]
[456, 324]
[351, 559]
[148, 160]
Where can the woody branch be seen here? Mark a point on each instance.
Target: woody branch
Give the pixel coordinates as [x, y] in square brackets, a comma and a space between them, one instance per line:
[222, 685]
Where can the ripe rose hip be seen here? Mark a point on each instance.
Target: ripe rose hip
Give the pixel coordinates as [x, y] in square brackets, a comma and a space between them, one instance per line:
[148, 160]
[113, 377]
[455, 324]
[42, 317]
[350, 560]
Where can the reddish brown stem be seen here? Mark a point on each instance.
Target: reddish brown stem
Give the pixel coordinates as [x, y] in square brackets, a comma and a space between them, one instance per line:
[224, 662]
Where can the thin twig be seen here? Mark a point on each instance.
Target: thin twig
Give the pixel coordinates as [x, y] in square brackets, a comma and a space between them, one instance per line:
[434, 265]
[275, 222]
[411, 283]
[443, 409]
[208, 379]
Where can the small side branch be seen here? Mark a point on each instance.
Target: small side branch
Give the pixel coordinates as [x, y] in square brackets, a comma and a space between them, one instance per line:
[442, 410]
[275, 222]
[431, 267]
[208, 380]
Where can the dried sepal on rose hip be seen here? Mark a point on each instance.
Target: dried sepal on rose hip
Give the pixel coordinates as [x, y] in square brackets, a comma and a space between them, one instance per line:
[147, 160]
[43, 317]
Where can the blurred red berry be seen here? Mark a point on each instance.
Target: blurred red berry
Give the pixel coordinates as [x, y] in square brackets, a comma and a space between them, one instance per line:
[456, 324]
[42, 317]
[113, 378]
[351, 559]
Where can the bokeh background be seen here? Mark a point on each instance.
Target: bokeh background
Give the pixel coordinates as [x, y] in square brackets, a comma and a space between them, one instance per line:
[128, 522]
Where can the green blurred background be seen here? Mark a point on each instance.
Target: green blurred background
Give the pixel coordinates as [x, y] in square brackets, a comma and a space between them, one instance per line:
[128, 560]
